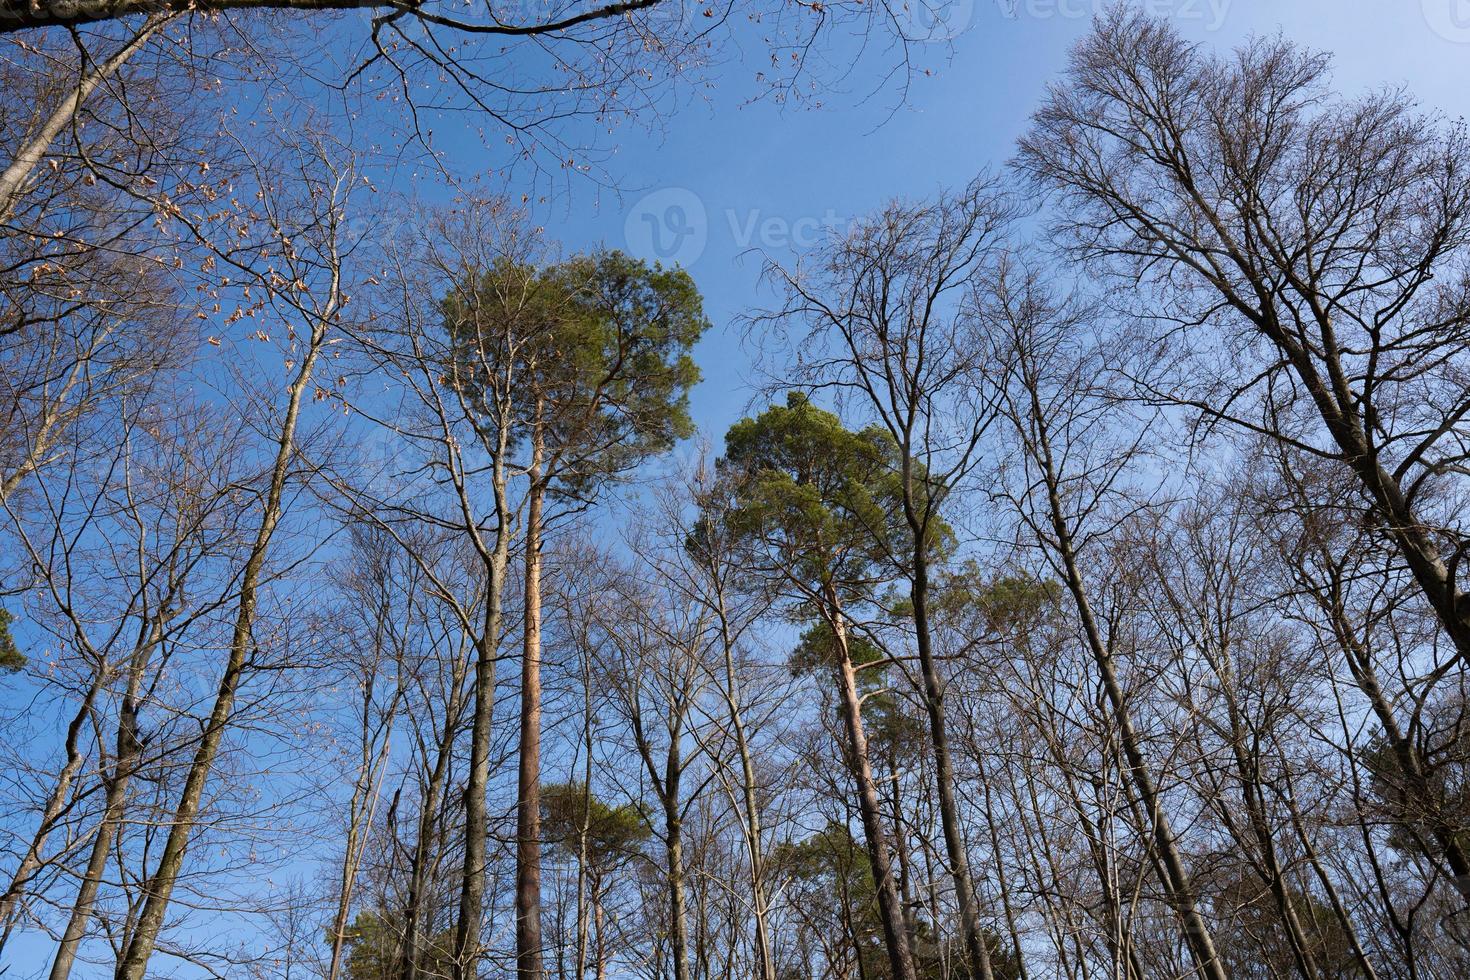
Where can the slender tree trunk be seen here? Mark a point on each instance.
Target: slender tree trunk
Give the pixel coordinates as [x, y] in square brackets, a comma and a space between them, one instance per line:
[901, 853]
[528, 809]
[487, 657]
[751, 827]
[56, 802]
[360, 810]
[890, 908]
[1174, 876]
[1415, 780]
[1062, 923]
[158, 888]
[1366, 823]
[954, 843]
[418, 876]
[1121, 947]
[1000, 869]
[81, 913]
[1329, 888]
[13, 181]
[1247, 767]
[849, 927]
[584, 830]
[601, 937]
[129, 751]
[678, 911]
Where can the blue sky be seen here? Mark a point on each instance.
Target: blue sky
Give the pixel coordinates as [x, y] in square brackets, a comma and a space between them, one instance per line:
[728, 181]
[765, 176]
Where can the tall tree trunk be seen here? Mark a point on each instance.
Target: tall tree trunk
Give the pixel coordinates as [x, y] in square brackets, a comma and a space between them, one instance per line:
[1174, 875]
[954, 843]
[158, 888]
[751, 826]
[678, 912]
[528, 809]
[129, 752]
[890, 908]
[487, 657]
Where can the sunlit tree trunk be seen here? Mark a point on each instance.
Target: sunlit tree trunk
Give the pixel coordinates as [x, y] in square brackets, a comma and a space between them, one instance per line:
[129, 753]
[890, 907]
[158, 888]
[487, 657]
[528, 804]
[28, 157]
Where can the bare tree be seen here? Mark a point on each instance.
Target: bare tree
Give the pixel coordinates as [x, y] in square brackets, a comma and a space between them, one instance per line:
[1309, 255]
[121, 611]
[660, 644]
[383, 591]
[1070, 466]
[92, 74]
[310, 292]
[453, 410]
